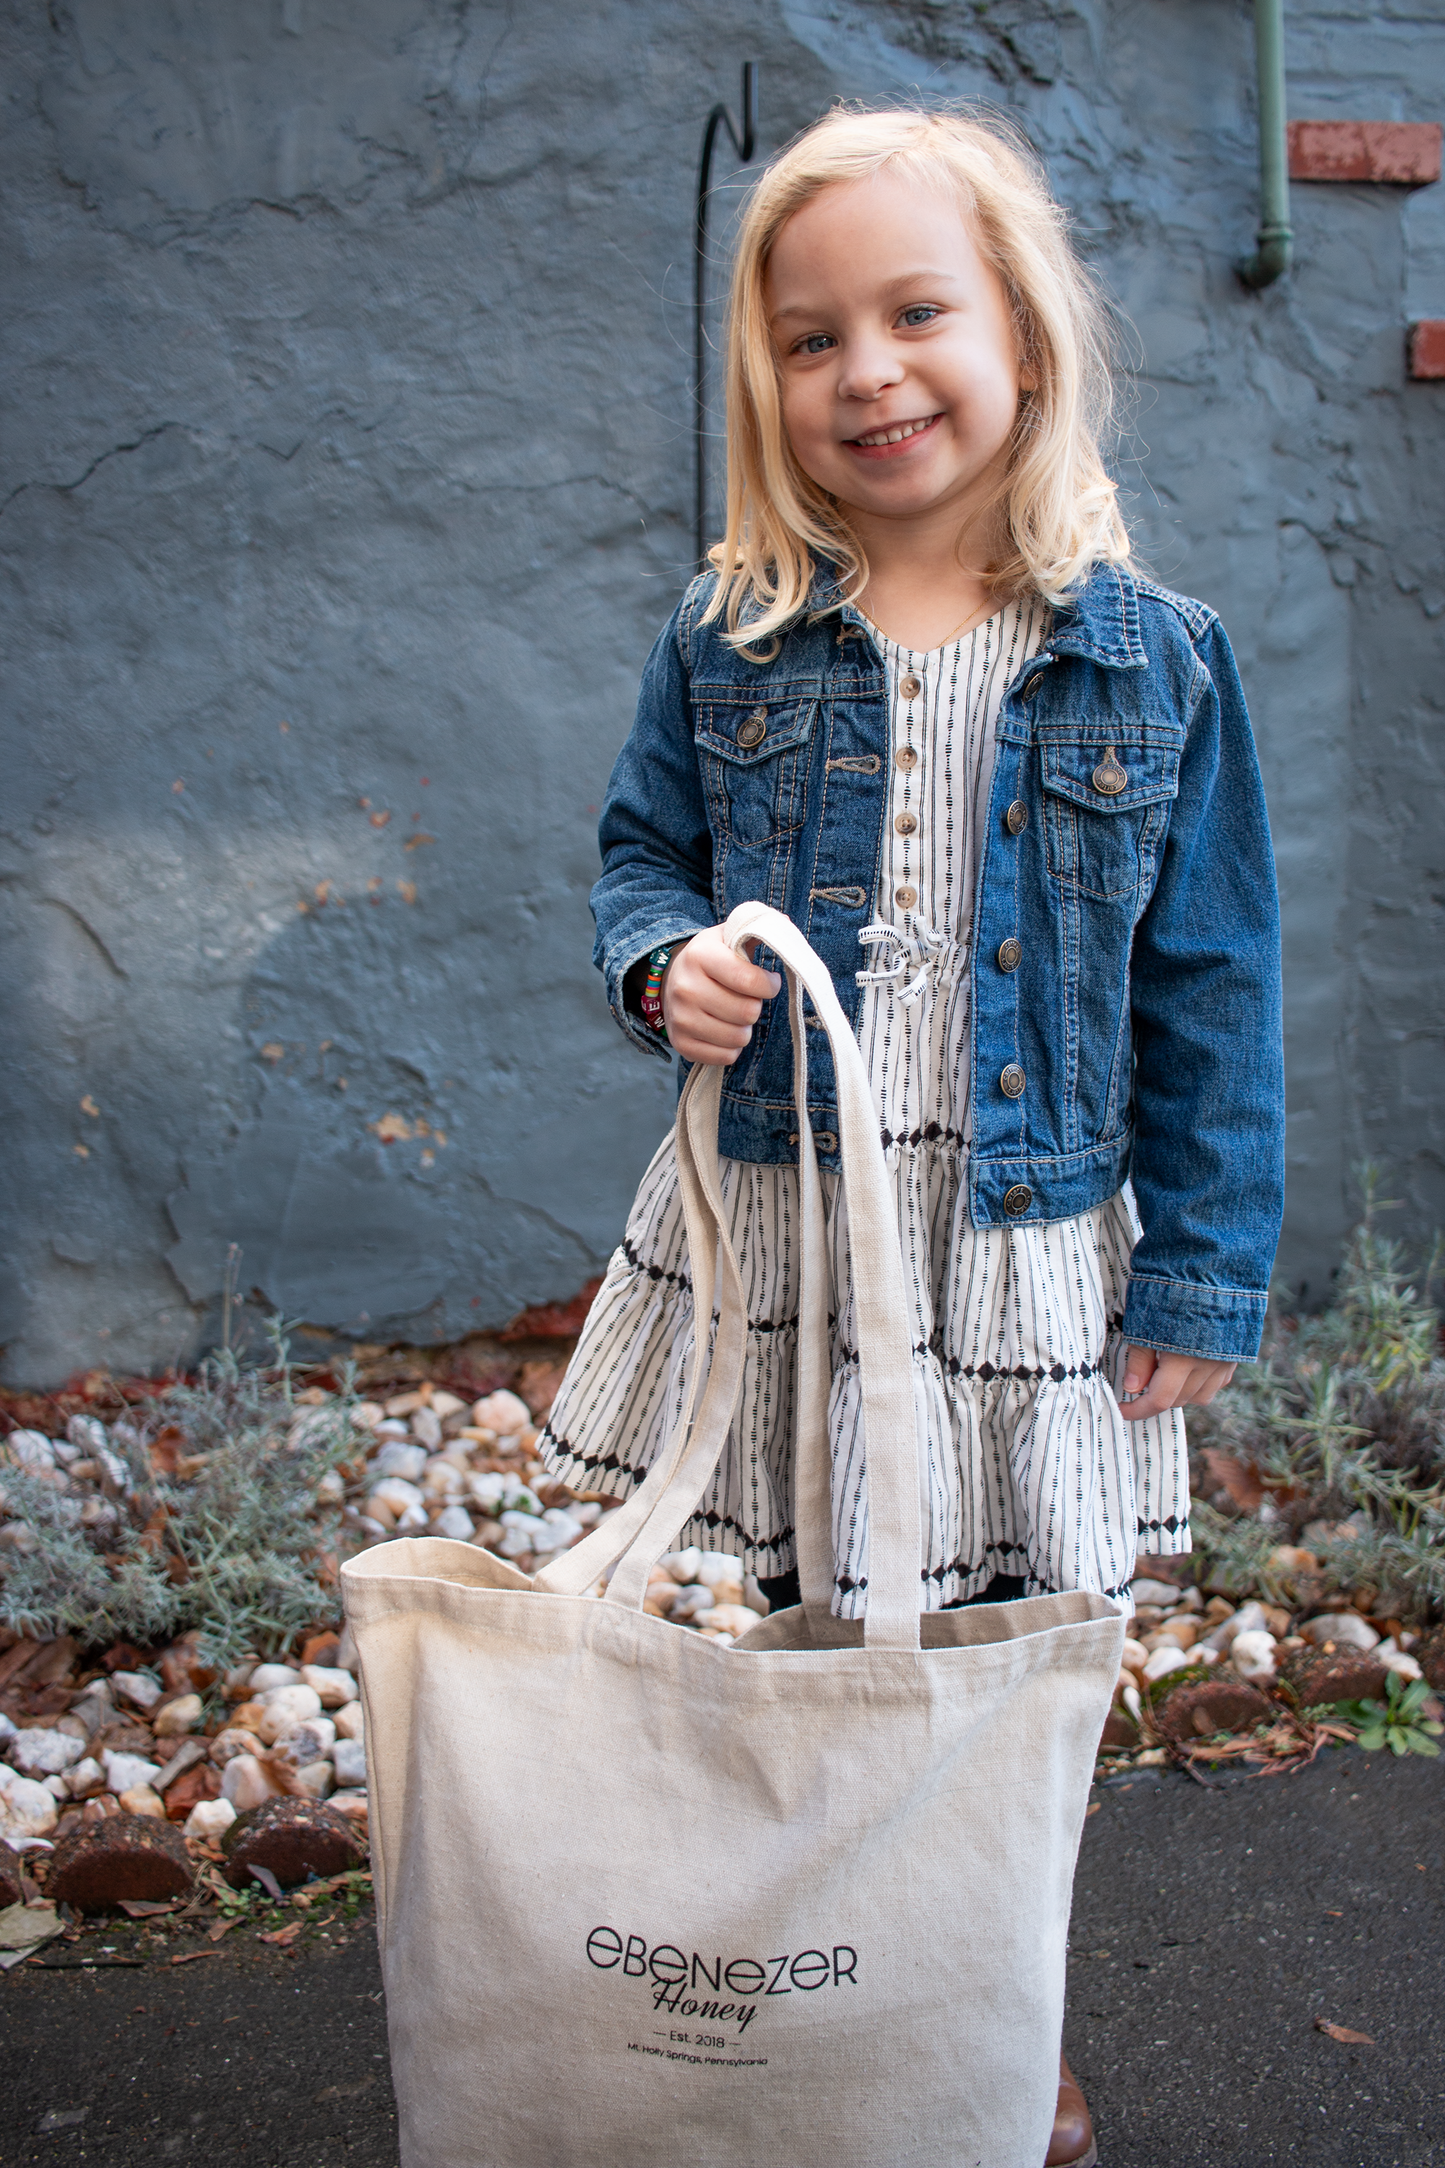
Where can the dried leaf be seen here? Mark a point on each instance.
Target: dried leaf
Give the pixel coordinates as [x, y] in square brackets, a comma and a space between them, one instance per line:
[413, 841]
[1241, 1482]
[392, 1129]
[282, 1938]
[1343, 2033]
[188, 1957]
[222, 1927]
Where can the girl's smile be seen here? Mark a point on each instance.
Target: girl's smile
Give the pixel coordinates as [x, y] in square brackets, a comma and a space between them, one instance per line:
[886, 442]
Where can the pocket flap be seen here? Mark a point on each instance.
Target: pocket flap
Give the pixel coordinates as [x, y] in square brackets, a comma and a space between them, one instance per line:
[1112, 775]
[748, 724]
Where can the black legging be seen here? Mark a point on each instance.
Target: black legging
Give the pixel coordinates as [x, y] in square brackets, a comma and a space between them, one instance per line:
[782, 1591]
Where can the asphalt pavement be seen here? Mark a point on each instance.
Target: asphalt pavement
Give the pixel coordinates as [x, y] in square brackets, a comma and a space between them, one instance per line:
[1212, 1928]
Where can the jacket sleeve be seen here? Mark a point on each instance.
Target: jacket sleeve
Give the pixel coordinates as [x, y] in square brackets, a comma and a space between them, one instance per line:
[656, 845]
[1208, 1162]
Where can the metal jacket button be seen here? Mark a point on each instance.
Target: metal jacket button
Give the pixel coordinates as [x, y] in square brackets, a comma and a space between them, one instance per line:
[753, 729]
[1015, 820]
[905, 898]
[1109, 777]
[910, 686]
[1033, 684]
[1018, 1199]
[906, 823]
[1012, 1081]
[906, 759]
[1010, 954]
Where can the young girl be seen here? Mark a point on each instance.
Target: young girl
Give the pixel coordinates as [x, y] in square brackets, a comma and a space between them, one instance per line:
[1007, 789]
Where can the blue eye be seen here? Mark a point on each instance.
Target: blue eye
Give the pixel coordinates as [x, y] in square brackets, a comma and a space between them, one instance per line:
[922, 312]
[816, 342]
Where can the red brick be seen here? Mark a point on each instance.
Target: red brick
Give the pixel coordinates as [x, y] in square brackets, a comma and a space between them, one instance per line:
[1427, 347]
[1405, 152]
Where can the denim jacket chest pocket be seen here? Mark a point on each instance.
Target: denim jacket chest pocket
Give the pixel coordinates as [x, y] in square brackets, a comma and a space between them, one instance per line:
[1107, 793]
[753, 745]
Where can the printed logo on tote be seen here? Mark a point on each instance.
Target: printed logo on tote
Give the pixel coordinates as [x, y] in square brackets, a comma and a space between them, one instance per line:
[680, 1984]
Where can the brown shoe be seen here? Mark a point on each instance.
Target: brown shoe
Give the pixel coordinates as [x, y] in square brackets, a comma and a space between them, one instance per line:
[1072, 2145]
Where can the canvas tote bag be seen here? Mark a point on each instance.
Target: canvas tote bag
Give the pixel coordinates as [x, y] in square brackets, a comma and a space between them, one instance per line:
[796, 1903]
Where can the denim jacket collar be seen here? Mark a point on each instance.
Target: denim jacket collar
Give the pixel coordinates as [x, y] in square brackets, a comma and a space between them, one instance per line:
[1100, 623]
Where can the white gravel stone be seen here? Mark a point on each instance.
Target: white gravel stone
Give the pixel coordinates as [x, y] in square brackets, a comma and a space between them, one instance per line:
[246, 1784]
[487, 1490]
[1163, 1593]
[1253, 1656]
[352, 1804]
[1166, 1658]
[456, 1523]
[521, 1533]
[316, 1779]
[502, 1412]
[335, 1686]
[234, 1740]
[87, 1432]
[443, 1478]
[8, 1731]
[1407, 1666]
[727, 1618]
[30, 1449]
[138, 1688]
[351, 1721]
[405, 1461]
[178, 1716]
[140, 1799]
[330, 1489]
[414, 1522]
[397, 1495]
[267, 1677]
[44, 1753]
[1345, 1628]
[683, 1565]
[1248, 1619]
[123, 1771]
[85, 1778]
[57, 1788]
[286, 1709]
[27, 1809]
[426, 1428]
[309, 1742]
[349, 1760]
[209, 1819]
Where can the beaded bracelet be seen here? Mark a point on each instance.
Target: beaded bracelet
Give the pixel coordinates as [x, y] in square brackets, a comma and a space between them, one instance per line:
[651, 1000]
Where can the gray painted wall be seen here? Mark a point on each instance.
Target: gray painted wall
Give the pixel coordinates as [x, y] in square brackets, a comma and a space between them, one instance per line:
[346, 483]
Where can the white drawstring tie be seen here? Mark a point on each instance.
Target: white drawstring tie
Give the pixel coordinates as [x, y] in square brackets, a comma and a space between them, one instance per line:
[915, 948]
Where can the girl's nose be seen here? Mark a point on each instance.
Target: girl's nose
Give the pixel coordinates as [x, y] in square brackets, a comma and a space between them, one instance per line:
[869, 367]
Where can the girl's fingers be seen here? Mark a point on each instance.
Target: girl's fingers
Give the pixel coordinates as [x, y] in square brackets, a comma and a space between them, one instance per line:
[1140, 1364]
[1172, 1381]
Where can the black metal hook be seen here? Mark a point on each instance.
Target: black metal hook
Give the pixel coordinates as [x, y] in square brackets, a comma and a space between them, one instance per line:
[743, 141]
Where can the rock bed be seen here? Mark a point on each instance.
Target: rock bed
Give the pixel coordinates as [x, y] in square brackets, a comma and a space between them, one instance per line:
[1208, 1677]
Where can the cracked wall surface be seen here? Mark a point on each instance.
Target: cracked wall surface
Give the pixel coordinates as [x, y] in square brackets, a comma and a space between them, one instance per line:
[345, 484]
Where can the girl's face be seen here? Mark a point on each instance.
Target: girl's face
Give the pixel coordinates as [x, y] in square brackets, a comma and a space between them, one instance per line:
[899, 366]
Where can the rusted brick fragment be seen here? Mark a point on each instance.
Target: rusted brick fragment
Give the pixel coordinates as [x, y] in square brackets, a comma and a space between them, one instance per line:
[1427, 348]
[1405, 153]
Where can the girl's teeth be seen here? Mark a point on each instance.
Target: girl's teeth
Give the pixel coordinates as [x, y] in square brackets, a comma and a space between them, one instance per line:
[895, 436]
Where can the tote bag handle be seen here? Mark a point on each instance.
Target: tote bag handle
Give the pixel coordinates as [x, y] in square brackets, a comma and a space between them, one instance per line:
[638, 1533]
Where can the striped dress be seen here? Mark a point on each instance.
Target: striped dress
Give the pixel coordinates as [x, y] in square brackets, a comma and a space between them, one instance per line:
[1031, 1469]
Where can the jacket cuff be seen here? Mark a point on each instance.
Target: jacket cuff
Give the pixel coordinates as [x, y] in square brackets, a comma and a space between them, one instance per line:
[677, 927]
[1183, 1317]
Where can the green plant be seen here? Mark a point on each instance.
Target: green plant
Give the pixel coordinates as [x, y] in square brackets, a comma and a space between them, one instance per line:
[215, 1524]
[1340, 1428]
[1395, 1722]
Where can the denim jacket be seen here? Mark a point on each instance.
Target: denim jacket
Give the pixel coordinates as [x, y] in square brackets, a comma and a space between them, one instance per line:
[1125, 933]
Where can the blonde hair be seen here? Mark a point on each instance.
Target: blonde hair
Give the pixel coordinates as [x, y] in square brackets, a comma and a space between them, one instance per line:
[1061, 507]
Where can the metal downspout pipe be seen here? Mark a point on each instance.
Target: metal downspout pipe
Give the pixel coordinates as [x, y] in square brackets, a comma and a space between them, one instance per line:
[1272, 256]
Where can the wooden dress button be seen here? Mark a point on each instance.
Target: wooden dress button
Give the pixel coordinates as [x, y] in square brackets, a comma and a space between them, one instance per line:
[906, 824]
[905, 898]
[910, 686]
[905, 758]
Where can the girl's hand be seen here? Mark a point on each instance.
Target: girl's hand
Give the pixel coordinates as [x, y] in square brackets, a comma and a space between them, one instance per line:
[711, 998]
[1169, 1381]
